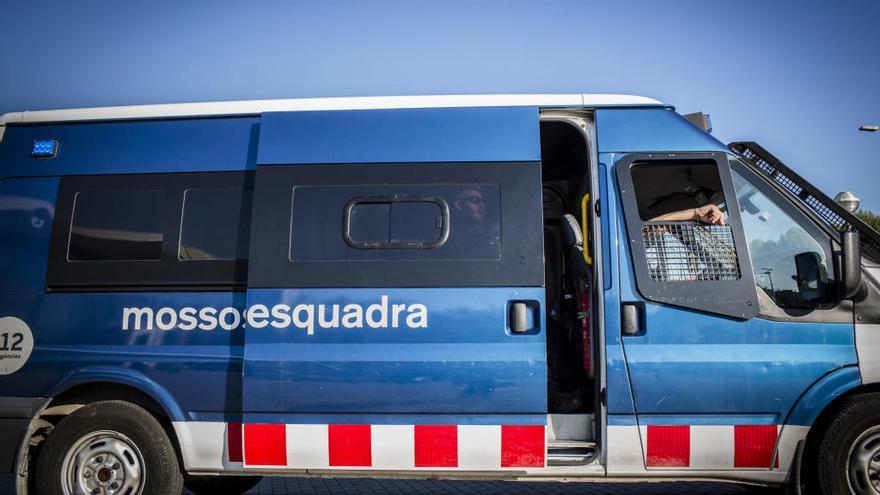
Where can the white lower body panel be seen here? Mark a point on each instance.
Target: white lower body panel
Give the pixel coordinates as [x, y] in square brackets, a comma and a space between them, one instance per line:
[762, 453]
[485, 451]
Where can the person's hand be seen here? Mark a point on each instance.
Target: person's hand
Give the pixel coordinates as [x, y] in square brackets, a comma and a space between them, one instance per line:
[709, 214]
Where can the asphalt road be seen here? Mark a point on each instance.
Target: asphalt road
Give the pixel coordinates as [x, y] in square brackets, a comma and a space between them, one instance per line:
[361, 486]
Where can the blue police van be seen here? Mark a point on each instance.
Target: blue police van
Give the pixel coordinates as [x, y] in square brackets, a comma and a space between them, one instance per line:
[491, 286]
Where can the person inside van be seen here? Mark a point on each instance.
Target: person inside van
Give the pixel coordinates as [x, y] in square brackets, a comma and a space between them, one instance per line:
[475, 228]
[472, 205]
[674, 255]
[708, 214]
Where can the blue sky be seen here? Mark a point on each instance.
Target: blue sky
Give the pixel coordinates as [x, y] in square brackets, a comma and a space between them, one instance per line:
[798, 77]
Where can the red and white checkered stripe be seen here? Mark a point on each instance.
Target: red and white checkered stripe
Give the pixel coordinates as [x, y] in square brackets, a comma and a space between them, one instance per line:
[703, 448]
[710, 447]
[387, 447]
[756, 452]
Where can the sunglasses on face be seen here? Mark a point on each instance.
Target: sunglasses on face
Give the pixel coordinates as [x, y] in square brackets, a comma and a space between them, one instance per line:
[474, 200]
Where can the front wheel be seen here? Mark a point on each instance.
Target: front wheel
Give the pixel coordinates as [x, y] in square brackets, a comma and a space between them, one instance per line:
[849, 453]
[108, 447]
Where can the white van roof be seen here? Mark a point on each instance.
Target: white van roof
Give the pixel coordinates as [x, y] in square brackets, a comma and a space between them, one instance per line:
[254, 107]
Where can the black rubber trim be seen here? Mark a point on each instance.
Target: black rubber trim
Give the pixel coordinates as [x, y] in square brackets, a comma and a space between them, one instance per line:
[16, 414]
[21, 407]
[11, 431]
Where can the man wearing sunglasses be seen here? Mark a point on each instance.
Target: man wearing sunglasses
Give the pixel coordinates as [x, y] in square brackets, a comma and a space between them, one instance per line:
[471, 205]
[474, 231]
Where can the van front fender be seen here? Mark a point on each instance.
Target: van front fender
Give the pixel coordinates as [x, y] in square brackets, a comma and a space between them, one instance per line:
[822, 393]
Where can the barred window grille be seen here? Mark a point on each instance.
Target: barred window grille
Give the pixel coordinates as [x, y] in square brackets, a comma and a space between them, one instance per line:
[682, 252]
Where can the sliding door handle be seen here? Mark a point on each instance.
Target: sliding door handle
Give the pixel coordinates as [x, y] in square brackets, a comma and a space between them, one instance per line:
[631, 318]
[523, 317]
[519, 317]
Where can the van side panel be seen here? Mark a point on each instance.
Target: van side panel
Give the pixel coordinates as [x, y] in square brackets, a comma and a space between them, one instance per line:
[27, 207]
[490, 134]
[463, 361]
[84, 333]
[196, 145]
[335, 366]
[80, 336]
[648, 130]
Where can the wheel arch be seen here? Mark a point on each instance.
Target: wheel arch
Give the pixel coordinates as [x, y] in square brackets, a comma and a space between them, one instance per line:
[105, 383]
[823, 394]
[93, 384]
[818, 407]
[828, 413]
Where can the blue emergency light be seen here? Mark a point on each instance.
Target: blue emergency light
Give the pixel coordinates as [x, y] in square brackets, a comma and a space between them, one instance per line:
[45, 149]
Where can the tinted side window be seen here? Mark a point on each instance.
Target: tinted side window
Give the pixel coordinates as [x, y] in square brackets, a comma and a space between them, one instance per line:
[117, 226]
[134, 232]
[407, 221]
[490, 237]
[215, 224]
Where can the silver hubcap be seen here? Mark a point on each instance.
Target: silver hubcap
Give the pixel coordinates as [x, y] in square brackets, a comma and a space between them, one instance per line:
[103, 463]
[864, 463]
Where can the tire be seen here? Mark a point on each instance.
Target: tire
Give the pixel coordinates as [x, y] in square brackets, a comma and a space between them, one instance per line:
[221, 485]
[104, 443]
[848, 460]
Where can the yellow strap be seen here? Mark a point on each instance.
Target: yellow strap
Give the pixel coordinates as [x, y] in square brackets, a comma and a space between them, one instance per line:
[585, 219]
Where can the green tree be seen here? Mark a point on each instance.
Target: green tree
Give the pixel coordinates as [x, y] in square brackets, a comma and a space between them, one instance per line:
[870, 218]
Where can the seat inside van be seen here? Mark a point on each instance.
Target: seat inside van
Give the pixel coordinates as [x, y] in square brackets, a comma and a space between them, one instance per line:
[566, 178]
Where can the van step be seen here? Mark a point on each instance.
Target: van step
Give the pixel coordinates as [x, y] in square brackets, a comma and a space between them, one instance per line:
[570, 453]
[570, 444]
[563, 427]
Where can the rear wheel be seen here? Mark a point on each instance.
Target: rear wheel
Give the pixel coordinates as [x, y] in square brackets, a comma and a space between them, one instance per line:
[221, 485]
[849, 453]
[108, 447]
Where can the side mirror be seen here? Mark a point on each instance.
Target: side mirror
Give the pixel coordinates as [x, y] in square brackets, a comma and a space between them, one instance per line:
[810, 278]
[852, 264]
